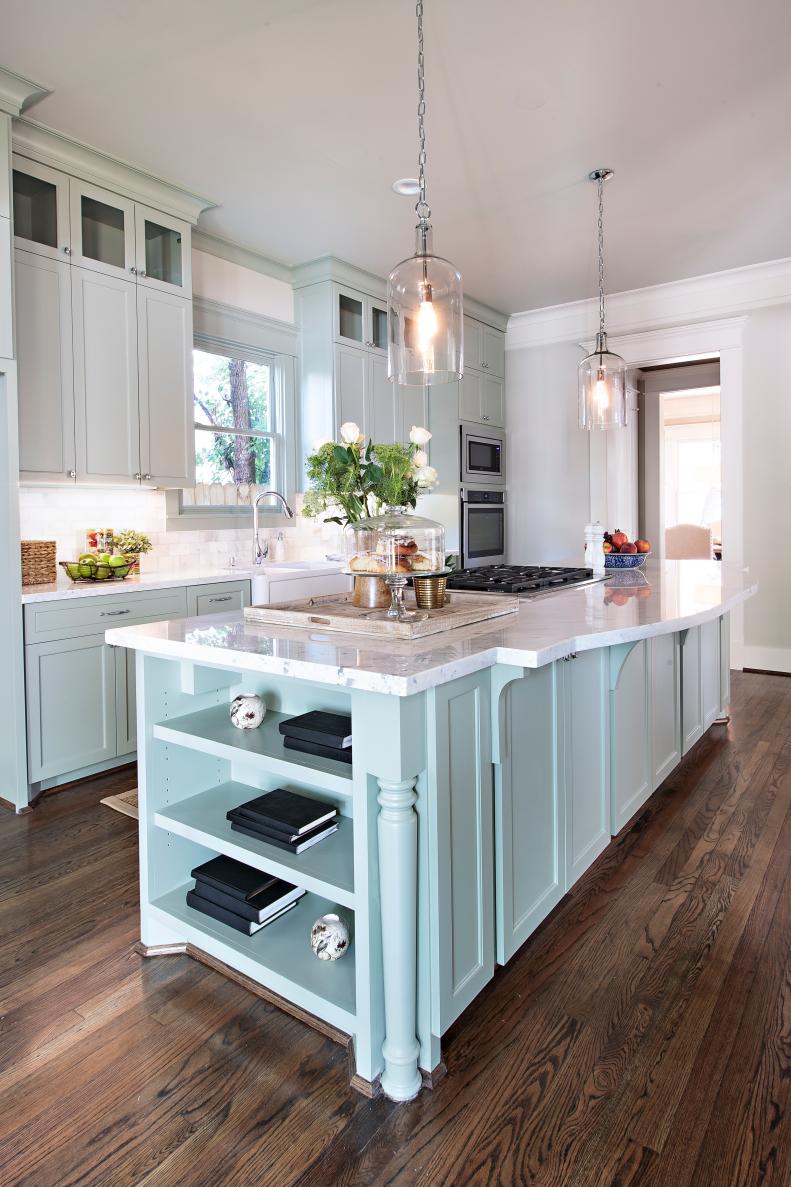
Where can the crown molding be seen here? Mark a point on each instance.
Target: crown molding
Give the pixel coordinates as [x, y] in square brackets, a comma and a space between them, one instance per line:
[246, 257]
[672, 344]
[227, 326]
[18, 93]
[91, 164]
[703, 299]
[341, 272]
[485, 313]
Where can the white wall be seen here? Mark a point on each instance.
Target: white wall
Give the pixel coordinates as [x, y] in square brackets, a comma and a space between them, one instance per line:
[547, 456]
[220, 280]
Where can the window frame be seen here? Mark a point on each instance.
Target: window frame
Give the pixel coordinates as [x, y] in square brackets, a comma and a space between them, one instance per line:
[235, 333]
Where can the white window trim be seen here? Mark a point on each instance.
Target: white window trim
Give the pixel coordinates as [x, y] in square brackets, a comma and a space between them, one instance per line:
[222, 329]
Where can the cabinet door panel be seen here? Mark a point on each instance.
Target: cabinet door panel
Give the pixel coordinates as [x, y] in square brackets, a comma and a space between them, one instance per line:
[493, 351]
[586, 759]
[350, 320]
[710, 663]
[462, 827]
[70, 705]
[691, 705]
[412, 409]
[470, 396]
[377, 321]
[214, 599]
[630, 731]
[473, 343]
[725, 664]
[492, 401]
[351, 386]
[382, 426]
[162, 252]
[125, 701]
[665, 707]
[104, 316]
[167, 439]
[529, 809]
[46, 377]
[41, 209]
[102, 230]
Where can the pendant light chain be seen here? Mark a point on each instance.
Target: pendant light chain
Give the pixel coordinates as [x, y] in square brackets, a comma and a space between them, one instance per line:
[600, 183]
[422, 208]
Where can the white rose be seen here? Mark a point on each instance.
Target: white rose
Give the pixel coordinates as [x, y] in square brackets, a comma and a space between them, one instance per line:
[350, 433]
[426, 477]
[419, 458]
[419, 436]
[319, 442]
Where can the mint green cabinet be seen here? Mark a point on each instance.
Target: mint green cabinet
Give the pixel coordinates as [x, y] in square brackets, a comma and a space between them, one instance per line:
[691, 688]
[631, 781]
[125, 702]
[481, 398]
[665, 671]
[461, 857]
[70, 705]
[224, 597]
[710, 671]
[584, 722]
[529, 802]
[102, 229]
[41, 209]
[164, 374]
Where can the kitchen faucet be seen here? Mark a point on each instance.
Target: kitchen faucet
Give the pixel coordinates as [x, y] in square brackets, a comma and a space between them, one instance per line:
[259, 551]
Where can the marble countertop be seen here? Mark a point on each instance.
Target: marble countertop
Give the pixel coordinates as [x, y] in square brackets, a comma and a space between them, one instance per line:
[64, 588]
[666, 596]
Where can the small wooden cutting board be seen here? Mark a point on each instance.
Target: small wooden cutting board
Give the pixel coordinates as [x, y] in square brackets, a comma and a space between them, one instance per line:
[335, 612]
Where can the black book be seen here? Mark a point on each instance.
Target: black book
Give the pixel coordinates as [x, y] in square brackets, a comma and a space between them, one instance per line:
[233, 877]
[284, 810]
[245, 816]
[246, 926]
[318, 748]
[328, 729]
[260, 907]
[250, 830]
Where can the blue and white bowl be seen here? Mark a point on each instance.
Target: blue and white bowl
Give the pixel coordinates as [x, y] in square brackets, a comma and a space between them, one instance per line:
[625, 560]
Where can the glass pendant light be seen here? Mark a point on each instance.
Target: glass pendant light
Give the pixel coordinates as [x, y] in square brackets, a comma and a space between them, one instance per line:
[602, 375]
[424, 299]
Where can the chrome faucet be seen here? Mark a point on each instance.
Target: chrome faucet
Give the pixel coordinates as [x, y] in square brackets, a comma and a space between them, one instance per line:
[260, 551]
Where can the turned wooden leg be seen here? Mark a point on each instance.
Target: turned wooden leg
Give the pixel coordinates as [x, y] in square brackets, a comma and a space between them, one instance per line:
[397, 829]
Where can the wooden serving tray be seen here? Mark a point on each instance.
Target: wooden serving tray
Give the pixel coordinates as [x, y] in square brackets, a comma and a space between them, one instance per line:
[335, 612]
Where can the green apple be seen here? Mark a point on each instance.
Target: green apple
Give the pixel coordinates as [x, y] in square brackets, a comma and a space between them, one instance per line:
[115, 562]
[86, 557]
[104, 558]
[86, 570]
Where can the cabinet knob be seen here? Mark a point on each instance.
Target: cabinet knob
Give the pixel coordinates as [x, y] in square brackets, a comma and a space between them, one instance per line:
[485, 366]
[67, 251]
[484, 418]
[133, 270]
[72, 473]
[147, 477]
[137, 477]
[141, 272]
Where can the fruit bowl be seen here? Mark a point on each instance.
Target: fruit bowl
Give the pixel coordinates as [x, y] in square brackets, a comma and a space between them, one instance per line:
[625, 560]
[94, 570]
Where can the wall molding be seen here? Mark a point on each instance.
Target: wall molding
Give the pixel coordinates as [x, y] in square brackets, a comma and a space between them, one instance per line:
[228, 326]
[18, 93]
[245, 257]
[767, 659]
[675, 343]
[716, 296]
[59, 151]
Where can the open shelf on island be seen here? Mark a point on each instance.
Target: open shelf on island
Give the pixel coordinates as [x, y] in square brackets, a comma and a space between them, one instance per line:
[211, 732]
[327, 868]
[278, 957]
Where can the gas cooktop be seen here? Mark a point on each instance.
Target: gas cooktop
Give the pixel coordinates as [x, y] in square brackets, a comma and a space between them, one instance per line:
[514, 579]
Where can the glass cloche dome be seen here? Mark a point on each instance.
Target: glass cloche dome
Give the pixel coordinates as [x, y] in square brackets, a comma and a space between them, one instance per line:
[395, 545]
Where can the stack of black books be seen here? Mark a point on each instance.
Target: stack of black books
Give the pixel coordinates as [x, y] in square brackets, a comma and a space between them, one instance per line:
[326, 734]
[285, 819]
[236, 894]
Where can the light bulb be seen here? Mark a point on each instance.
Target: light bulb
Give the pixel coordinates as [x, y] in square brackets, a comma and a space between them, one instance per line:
[601, 392]
[426, 325]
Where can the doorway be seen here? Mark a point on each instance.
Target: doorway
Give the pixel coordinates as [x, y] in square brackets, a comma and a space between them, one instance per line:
[679, 459]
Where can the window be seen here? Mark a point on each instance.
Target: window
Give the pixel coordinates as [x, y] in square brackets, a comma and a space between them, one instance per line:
[235, 424]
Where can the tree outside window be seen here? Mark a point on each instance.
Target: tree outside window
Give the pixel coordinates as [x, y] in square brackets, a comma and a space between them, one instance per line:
[235, 429]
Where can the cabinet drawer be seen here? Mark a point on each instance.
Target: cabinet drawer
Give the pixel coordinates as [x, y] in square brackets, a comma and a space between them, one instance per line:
[292, 588]
[214, 599]
[83, 616]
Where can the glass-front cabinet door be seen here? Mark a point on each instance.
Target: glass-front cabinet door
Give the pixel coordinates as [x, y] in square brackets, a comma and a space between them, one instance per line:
[350, 325]
[102, 230]
[163, 258]
[378, 325]
[41, 209]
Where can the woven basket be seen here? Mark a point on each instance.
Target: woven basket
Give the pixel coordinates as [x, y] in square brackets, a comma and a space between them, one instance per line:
[38, 562]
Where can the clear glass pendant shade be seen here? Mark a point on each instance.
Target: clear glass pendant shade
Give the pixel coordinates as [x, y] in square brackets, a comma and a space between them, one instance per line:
[602, 388]
[424, 318]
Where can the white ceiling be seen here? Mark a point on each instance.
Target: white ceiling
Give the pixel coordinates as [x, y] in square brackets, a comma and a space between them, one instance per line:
[295, 116]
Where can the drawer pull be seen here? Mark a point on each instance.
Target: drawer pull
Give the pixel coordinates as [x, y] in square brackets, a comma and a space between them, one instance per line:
[113, 613]
[314, 618]
[226, 598]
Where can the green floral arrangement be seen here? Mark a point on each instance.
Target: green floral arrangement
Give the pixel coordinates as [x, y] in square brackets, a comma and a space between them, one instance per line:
[354, 480]
[132, 543]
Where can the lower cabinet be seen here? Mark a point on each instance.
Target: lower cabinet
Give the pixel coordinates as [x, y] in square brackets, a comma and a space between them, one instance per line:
[665, 678]
[70, 705]
[227, 597]
[691, 689]
[583, 714]
[125, 701]
[631, 775]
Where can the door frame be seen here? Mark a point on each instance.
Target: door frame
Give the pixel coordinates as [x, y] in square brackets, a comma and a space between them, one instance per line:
[720, 339]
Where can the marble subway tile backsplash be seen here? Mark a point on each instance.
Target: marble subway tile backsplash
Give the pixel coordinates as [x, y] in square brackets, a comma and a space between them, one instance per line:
[65, 514]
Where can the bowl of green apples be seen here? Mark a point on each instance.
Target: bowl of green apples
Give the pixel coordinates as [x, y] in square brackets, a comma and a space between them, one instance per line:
[92, 566]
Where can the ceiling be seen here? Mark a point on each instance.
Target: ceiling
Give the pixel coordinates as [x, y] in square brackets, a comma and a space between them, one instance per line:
[296, 115]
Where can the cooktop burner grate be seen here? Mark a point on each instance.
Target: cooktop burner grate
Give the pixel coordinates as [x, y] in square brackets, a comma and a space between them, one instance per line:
[517, 578]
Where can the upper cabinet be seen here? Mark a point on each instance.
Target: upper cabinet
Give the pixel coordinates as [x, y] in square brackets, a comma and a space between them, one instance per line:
[482, 388]
[104, 328]
[360, 320]
[484, 348]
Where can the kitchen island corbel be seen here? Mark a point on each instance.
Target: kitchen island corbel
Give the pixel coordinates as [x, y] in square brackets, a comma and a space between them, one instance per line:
[489, 772]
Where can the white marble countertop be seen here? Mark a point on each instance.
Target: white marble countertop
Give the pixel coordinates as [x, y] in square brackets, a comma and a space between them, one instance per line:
[666, 596]
[64, 588]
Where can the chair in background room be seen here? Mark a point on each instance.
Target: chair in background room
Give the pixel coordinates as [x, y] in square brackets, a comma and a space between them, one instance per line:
[688, 541]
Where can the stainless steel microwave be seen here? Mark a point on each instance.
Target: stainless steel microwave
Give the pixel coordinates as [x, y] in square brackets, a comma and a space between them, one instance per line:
[482, 454]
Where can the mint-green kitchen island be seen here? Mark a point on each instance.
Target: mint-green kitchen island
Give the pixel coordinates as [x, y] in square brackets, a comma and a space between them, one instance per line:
[492, 764]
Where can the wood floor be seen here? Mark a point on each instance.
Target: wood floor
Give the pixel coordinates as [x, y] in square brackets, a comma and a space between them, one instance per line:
[643, 1036]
